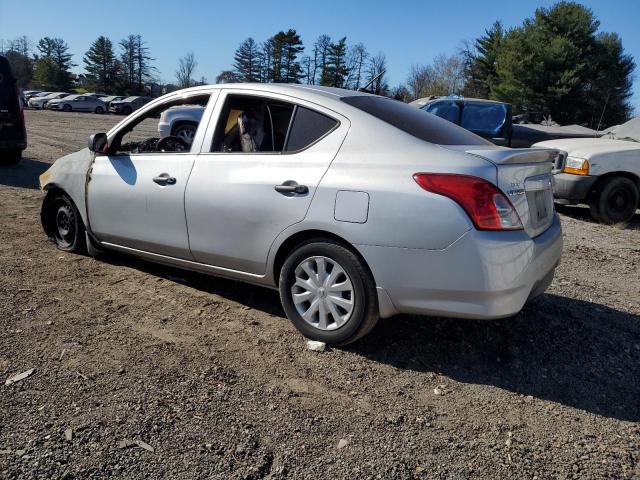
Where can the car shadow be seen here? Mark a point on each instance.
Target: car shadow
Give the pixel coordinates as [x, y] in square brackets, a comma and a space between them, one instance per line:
[24, 174]
[568, 351]
[582, 213]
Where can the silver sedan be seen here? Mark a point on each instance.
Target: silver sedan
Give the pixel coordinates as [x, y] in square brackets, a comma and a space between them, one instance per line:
[78, 103]
[353, 206]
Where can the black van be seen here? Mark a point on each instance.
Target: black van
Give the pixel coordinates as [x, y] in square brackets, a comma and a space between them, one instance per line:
[13, 135]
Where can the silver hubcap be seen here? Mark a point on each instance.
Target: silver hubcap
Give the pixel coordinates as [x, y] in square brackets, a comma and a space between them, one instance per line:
[186, 134]
[322, 293]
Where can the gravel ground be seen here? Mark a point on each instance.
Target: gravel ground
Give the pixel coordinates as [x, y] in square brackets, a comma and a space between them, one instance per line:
[142, 371]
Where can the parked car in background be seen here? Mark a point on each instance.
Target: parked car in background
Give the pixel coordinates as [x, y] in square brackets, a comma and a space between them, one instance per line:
[111, 98]
[489, 119]
[493, 120]
[78, 103]
[32, 93]
[181, 121]
[300, 188]
[128, 105]
[603, 173]
[13, 135]
[41, 102]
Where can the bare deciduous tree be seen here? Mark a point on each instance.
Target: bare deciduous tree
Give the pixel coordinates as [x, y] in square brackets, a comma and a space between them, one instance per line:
[186, 67]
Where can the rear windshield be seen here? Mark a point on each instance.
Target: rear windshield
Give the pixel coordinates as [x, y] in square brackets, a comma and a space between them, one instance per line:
[414, 121]
[486, 118]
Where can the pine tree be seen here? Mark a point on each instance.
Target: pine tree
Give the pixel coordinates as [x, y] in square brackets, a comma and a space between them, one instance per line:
[336, 71]
[247, 61]
[136, 65]
[55, 60]
[285, 48]
[101, 64]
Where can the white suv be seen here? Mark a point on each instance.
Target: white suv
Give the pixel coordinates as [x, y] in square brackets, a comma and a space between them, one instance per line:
[181, 121]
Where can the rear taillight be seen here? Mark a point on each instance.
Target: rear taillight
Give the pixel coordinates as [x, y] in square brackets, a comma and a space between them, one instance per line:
[486, 205]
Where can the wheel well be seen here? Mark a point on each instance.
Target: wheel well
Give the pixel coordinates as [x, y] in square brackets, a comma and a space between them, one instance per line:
[298, 238]
[604, 178]
[179, 123]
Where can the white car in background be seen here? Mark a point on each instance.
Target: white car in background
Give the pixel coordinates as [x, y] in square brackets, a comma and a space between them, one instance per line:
[603, 173]
[41, 102]
[181, 121]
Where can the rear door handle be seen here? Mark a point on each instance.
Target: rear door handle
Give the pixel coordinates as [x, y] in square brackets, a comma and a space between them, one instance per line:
[292, 188]
[164, 179]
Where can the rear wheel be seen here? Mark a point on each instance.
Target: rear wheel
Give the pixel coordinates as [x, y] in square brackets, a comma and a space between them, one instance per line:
[63, 224]
[66, 107]
[328, 293]
[99, 110]
[615, 201]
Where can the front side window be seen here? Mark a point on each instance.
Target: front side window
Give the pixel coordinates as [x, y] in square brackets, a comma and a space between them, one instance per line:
[163, 129]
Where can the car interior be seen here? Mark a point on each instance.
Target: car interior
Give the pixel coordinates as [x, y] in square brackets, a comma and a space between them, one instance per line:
[141, 135]
[252, 125]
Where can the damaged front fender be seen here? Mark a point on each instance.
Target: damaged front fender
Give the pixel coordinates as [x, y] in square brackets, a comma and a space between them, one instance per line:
[69, 174]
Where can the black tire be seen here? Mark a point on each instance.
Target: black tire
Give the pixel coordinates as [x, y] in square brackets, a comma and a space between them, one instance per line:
[66, 107]
[615, 201]
[63, 224]
[185, 131]
[364, 314]
[99, 110]
[10, 157]
[126, 110]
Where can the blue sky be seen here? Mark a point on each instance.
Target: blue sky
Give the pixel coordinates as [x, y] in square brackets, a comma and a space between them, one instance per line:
[408, 32]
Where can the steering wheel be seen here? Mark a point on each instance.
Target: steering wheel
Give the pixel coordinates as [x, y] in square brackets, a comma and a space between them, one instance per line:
[172, 144]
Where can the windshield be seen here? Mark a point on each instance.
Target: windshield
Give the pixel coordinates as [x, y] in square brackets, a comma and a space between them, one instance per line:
[627, 131]
[413, 121]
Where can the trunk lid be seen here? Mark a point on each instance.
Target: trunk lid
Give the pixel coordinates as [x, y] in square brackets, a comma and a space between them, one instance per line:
[524, 175]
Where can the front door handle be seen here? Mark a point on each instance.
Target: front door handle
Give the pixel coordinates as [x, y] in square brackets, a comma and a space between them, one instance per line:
[164, 179]
[291, 187]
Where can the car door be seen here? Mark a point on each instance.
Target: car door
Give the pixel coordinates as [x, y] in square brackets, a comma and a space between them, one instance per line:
[136, 200]
[237, 203]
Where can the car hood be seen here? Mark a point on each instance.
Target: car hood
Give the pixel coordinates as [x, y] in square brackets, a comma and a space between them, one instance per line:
[589, 147]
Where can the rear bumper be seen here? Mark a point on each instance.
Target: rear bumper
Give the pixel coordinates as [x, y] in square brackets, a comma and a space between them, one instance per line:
[572, 188]
[482, 275]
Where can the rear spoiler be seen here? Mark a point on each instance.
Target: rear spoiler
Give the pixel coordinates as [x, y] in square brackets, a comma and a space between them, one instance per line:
[504, 156]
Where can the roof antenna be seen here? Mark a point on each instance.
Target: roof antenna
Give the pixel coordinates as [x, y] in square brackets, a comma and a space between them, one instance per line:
[371, 82]
[603, 109]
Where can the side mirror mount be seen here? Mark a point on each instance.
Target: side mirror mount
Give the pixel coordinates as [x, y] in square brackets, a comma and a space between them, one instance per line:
[98, 143]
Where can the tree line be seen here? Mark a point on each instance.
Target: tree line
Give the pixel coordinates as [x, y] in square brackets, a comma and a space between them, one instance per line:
[126, 70]
[556, 62]
[282, 59]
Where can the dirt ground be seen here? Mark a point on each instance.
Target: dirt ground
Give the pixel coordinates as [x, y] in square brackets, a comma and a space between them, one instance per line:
[212, 381]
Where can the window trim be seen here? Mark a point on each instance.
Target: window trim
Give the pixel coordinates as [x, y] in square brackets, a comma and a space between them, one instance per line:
[265, 96]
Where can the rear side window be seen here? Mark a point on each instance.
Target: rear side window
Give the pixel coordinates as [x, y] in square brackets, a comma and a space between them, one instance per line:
[307, 128]
[414, 121]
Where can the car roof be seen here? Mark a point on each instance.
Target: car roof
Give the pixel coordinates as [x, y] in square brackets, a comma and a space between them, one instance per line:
[299, 90]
